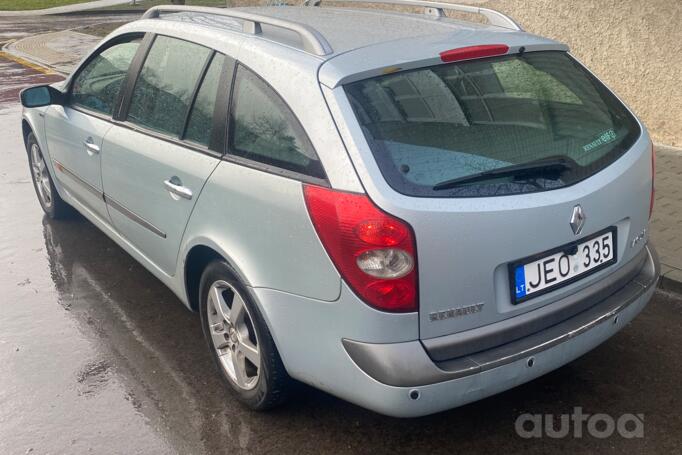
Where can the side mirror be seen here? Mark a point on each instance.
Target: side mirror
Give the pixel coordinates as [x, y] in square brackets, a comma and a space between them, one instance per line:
[41, 95]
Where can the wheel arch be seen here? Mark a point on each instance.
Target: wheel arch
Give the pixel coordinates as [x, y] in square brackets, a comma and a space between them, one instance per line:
[26, 128]
[198, 256]
[28, 125]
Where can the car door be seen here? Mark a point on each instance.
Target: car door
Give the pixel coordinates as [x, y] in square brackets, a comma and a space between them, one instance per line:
[164, 148]
[75, 131]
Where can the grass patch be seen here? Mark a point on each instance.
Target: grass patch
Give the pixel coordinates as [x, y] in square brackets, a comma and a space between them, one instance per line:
[20, 5]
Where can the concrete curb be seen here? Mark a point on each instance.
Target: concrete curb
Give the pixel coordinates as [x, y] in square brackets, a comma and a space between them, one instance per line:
[34, 63]
[670, 285]
[671, 278]
[26, 62]
[95, 12]
[60, 62]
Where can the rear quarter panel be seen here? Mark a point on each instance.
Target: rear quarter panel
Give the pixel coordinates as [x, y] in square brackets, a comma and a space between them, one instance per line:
[259, 223]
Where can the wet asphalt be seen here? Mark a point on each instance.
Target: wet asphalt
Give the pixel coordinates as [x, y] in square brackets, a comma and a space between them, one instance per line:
[97, 356]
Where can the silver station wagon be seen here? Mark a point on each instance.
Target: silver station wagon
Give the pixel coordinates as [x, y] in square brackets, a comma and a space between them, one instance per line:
[407, 210]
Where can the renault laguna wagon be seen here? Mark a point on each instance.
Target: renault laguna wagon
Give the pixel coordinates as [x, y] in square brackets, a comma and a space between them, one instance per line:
[406, 210]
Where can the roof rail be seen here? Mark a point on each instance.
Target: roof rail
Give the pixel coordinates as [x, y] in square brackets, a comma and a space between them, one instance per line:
[313, 41]
[437, 9]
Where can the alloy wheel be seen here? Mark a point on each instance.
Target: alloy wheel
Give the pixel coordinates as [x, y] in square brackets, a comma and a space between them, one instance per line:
[233, 335]
[41, 176]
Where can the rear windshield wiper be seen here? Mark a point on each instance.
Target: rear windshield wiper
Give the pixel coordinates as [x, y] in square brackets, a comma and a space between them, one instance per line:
[549, 167]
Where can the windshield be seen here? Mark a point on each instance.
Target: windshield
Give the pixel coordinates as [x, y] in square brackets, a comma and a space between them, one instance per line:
[447, 122]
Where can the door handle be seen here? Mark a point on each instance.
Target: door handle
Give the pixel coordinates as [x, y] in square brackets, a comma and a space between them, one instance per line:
[174, 186]
[91, 147]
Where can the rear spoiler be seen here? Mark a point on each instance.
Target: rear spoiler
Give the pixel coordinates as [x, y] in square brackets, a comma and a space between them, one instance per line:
[418, 52]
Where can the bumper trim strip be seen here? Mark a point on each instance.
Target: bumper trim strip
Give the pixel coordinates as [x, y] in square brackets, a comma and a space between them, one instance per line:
[113, 203]
[60, 167]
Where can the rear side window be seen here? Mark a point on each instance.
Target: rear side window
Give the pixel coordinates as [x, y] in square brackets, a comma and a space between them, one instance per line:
[454, 121]
[263, 129]
[165, 85]
[200, 123]
[97, 85]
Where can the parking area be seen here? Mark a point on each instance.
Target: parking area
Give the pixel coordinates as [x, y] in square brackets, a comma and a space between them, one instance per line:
[97, 356]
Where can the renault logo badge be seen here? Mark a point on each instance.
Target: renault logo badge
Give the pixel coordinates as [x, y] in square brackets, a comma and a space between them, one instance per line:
[578, 219]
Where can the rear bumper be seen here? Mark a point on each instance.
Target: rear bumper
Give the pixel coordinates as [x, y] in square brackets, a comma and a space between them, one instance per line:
[445, 384]
[391, 366]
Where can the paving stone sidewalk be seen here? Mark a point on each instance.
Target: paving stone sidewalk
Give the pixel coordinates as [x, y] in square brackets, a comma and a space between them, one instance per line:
[61, 51]
[666, 223]
[58, 51]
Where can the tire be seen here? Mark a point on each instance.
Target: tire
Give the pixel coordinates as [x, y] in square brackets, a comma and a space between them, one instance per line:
[232, 333]
[53, 205]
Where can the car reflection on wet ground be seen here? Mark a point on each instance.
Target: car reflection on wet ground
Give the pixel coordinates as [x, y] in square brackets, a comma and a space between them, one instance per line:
[98, 356]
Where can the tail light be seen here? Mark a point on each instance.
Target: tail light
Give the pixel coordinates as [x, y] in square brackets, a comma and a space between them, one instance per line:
[653, 176]
[374, 252]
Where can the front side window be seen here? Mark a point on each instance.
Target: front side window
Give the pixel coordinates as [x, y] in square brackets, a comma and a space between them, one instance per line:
[263, 129]
[164, 88]
[97, 85]
[440, 131]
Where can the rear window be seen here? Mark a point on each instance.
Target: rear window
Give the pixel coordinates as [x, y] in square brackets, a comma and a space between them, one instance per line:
[457, 122]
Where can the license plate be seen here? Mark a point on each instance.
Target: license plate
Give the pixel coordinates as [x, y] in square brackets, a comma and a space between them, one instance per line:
[545, 272]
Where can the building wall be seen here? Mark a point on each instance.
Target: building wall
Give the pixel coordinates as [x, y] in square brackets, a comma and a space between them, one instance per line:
[634, 46]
